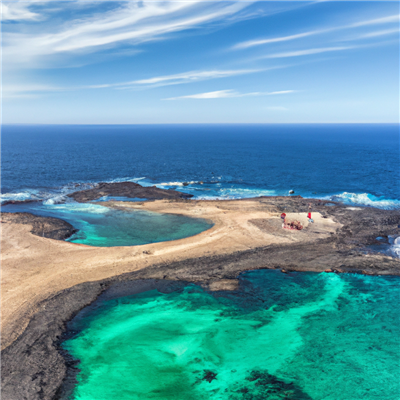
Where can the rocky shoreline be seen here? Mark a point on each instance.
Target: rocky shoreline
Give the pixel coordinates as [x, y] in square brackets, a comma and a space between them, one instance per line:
[48, 227]
[33, 366]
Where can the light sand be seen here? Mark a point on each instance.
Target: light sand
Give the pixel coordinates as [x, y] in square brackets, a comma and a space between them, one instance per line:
[34, 268]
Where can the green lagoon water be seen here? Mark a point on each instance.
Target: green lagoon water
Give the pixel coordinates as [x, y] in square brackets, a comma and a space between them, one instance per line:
[296, 336]
[101, 226]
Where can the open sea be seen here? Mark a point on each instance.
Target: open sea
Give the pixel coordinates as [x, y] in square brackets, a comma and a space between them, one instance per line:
[298, 336]
[353, 163]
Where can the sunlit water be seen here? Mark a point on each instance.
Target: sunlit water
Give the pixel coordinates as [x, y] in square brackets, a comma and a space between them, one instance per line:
[297, 336]
[105, 227]
[351, 163]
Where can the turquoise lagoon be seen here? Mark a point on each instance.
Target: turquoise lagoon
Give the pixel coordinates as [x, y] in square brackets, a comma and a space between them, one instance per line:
[105, 227]
[296, 336]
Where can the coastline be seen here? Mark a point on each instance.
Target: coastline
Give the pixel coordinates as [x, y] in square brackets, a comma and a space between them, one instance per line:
[243, 238]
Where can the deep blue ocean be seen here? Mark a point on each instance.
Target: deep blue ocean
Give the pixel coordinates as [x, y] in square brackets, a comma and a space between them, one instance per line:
[353, 163]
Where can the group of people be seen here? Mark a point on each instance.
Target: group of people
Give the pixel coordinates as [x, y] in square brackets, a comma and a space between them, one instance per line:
[296, 225]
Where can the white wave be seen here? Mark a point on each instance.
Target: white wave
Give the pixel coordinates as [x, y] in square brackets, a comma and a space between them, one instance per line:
[19, 196]
[163, 184]
[169, 184]
[79, 207]
[235, 193]
[365, 199]
[126, 179]
[56, 200]
[394, 249]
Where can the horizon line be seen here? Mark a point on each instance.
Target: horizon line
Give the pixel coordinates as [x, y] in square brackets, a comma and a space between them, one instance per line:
[206, 123]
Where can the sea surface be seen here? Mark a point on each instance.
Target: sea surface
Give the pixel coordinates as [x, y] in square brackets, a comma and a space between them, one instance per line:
[354, 163]
[300, 336]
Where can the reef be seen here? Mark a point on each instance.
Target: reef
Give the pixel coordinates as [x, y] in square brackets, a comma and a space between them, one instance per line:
[127, 189]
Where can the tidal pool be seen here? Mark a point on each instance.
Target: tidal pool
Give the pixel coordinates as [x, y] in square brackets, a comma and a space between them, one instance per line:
[295, 336]
[105, 227]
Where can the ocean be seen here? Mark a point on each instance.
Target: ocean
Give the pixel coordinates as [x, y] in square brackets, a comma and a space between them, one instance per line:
[353, 163]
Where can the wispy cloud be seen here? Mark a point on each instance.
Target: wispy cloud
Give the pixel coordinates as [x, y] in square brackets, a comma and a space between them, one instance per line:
[252, 43]
[306, 52]
[376, 21]
[132, 22]
[221, 94]
[258, 42]
[17, 12]
[10, 91]
[13, 91]
[187, 77]
[175, 79]
[378, 33]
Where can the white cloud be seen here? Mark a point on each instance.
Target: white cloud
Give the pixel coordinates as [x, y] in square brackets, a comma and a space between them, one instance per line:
[377, 21]
[378, 33]
[220, 94]
[175, 79]
[193, 76]
[17, 12]
[252, 43]
[258, 42]
[181, 78]
[28, 90]
[306, 52]
[133, 22]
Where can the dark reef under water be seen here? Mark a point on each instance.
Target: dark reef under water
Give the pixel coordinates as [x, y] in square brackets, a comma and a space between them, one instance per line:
[280, 336]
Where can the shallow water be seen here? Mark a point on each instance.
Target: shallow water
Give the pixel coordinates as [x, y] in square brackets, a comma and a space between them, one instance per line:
[105, 227]
[296, 336]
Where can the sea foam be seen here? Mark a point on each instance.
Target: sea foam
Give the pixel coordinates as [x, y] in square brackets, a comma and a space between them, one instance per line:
[365, 199]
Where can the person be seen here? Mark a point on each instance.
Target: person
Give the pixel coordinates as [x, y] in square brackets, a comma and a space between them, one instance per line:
[309, 217]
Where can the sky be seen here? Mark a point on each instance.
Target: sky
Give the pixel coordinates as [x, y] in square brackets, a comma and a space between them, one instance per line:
[128, 62]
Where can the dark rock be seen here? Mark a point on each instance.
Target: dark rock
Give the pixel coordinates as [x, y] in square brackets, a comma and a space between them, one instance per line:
[127, 189]
[18, 202]
[48, 227]
[209, 376]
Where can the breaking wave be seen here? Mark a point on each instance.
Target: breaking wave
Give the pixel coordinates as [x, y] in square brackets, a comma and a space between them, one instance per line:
[395, 246]
[366, 199]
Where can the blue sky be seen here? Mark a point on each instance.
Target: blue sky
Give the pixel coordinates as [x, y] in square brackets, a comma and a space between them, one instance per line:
[113, 62]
